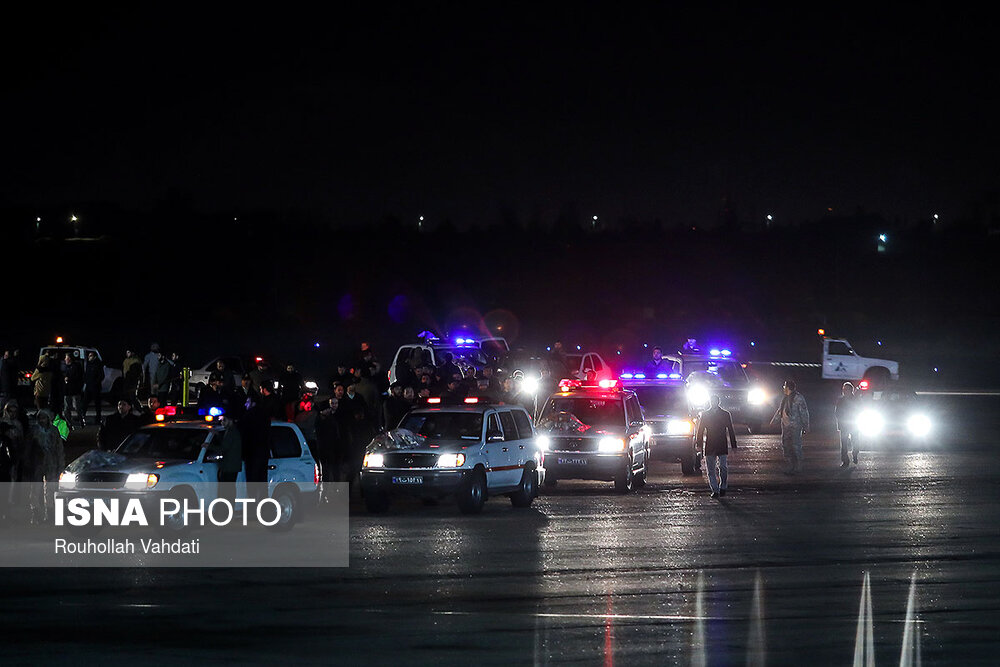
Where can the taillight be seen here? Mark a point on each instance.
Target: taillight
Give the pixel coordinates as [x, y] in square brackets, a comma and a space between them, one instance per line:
[863, 385]
[472, 399]
[316, 474]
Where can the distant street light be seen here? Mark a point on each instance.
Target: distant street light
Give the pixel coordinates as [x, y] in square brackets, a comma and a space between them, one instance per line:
[420, 223]
[770, 219]
[595, 222]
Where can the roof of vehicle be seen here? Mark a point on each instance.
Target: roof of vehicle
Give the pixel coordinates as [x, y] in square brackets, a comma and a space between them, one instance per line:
[603, 394]
[202, 424]
[464, 407]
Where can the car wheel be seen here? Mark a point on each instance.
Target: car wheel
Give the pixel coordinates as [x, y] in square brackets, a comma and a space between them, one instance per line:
[472, 493]
[527, 490]
[688, 465]
[625, 479]
[288, 509]
[376, 502]
[174, 524]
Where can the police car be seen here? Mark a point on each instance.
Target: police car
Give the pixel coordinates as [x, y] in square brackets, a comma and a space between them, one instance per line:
[595, 431]
[471, 450]
[717, 371]
[669, 415]
[180, 459]
[892, 417]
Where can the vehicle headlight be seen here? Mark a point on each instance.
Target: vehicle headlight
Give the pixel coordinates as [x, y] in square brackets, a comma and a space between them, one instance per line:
[756, 396]
[374, 461]
[870, 423]
[67, 480]
[529, 385]
[611, 445]
[311, 386]
[698, 395]
[141, 480]
[451, 460]
[543, 442]
[919, 425]
[679, 427]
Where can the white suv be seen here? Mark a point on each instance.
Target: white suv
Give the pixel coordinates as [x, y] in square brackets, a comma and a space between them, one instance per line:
[181, 459]
[471, 450]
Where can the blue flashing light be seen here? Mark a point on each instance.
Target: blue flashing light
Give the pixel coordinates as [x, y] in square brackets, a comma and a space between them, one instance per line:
[661, 376]
[675, 376]
[626, 376]
[753, 344]
[316, 345]
[578, 347]
[726, 353]
[459, 341]
[640, 376]
[211, 412]
[714, 352]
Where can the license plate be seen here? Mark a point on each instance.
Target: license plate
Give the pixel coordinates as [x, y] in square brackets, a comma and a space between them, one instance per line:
[572, 462]
[407, 480]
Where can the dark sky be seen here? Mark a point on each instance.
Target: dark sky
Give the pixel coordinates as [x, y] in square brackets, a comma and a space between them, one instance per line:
[471, 110]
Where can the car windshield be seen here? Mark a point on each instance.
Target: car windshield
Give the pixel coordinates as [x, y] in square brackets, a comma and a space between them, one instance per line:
[445, 425]
[164, 443]
[581, 413]
[730, 372]
[663, 400]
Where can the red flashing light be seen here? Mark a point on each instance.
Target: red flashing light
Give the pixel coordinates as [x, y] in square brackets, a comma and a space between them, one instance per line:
[566, 384]
[821, 332]
[471, 400]
[607, 384]
[863, 385]
[168, 411]
[433, 400]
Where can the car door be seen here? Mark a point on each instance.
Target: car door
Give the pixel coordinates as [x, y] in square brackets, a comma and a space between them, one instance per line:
[839, 361]
[526, 447]
[286, 450]
[512, 447]
[633, 431]
[494, 453]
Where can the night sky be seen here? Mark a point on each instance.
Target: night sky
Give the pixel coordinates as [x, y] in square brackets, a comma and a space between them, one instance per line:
[479, 112]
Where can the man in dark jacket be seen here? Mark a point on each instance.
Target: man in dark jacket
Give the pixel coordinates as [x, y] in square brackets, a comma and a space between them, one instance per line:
[72, 372]
[846, 412]
[255, 434]
[93, 381]
[9, 373]
[330, 441]
[715, 432]
[118, 426]
[214, 395]
[394, 407]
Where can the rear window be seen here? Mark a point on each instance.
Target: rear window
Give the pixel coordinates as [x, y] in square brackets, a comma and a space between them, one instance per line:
[284, 443]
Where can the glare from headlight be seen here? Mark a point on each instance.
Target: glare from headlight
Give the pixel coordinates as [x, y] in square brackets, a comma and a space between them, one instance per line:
[698, 395]
[374, 461]
[67, 480]
[870, 423]
[543, 442]
[611, 445]
[679, 427]
[451, 460]
[529, 385]
[919, 425]
[756, 396]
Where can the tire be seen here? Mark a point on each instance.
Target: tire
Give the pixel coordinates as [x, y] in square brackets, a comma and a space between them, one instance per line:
[527, 490]
[688, 465]
[625, 480]
[288, 500]
[472, 493]
[173, 526]
[376, 502]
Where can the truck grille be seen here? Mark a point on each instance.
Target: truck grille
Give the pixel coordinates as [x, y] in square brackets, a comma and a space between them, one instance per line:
[574, 445]
[101, 480]
[408, 460]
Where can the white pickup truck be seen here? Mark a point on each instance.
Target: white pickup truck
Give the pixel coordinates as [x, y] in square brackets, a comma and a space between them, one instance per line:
[841, 362]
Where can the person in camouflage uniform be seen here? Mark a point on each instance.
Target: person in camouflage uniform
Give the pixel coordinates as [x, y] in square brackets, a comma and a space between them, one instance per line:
[793, 414]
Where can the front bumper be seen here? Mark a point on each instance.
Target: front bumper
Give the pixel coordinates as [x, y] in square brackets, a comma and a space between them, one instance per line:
[585, 465]
[671, 447]
[412, 481]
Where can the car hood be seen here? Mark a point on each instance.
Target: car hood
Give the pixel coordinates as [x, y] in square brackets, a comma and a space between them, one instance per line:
[401, 439]
[96, 460]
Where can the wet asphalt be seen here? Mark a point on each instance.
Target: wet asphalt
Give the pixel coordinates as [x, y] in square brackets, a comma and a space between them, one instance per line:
[770, 574]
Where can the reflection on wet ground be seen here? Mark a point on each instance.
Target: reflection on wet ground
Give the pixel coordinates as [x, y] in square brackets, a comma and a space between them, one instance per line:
[896, 560]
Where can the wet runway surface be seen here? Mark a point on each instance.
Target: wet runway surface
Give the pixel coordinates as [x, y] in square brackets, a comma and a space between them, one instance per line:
[770, 574]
